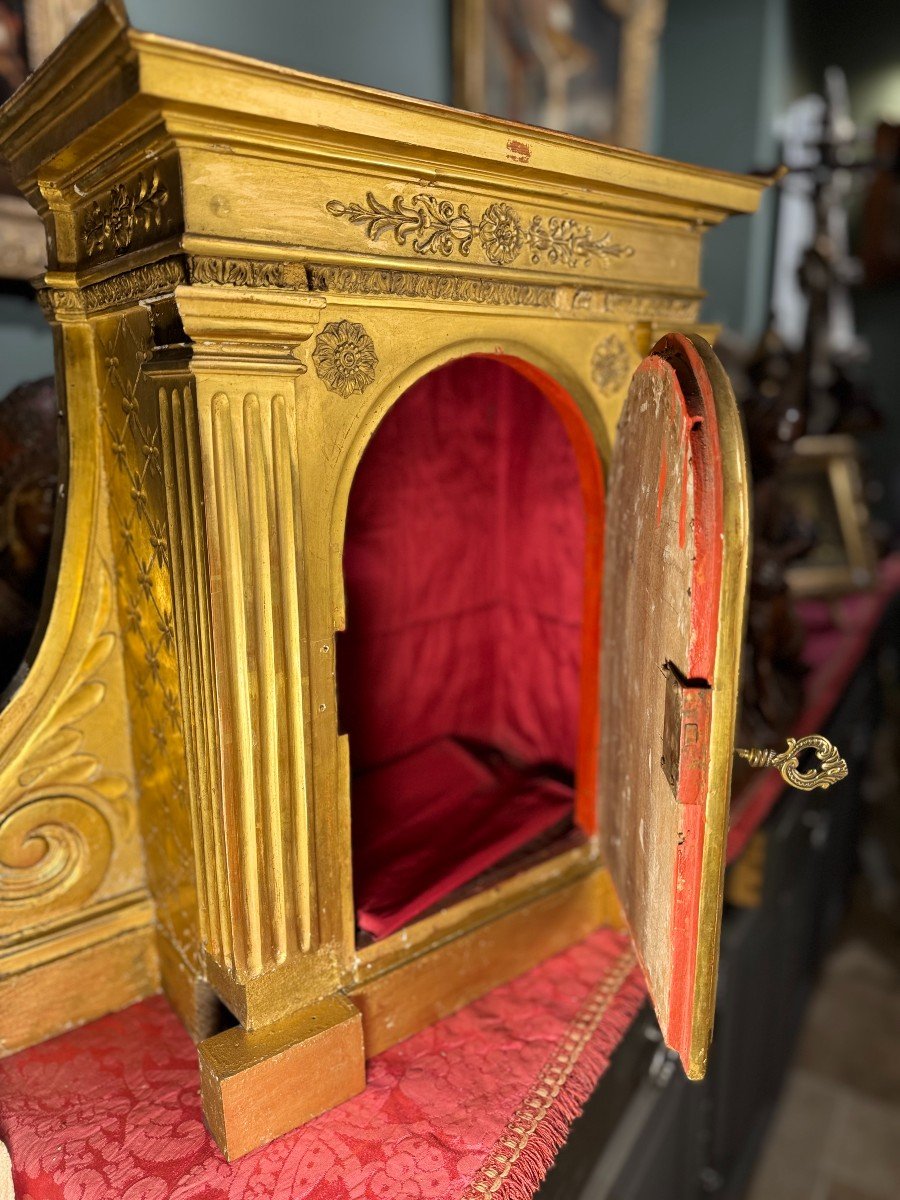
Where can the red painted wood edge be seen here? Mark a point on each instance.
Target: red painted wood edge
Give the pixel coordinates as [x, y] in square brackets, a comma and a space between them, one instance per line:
[702, 448]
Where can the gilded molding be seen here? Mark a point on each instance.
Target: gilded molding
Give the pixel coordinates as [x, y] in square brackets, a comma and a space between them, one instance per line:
[434, 226]
[369, 281]
[641, 305]
[345, 358]
[418, 285]
[463, 289]
[246, 326]
[141, 283]
[236, 272]
[62, 809]
[611, 363]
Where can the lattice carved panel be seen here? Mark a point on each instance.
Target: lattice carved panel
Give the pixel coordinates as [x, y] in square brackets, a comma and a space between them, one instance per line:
[130, 421]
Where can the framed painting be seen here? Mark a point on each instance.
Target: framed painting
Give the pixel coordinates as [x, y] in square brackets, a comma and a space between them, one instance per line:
[580, 66]
[823, 488]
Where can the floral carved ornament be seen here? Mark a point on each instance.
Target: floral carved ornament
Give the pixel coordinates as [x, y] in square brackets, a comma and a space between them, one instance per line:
[114, 224]
[345, 358]
[442, 227]
[610, 363]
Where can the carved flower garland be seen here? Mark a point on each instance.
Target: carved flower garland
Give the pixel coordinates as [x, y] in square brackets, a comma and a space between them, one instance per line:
[127, 210]
[345, 358]
[432, 225]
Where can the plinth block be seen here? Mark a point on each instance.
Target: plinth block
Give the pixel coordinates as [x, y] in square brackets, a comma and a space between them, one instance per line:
[257, 1086]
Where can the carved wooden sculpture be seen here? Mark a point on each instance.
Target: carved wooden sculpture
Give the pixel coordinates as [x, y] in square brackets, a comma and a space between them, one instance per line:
[248, 268]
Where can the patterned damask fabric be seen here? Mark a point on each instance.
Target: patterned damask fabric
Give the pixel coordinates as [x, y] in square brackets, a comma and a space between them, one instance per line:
[112, 1111]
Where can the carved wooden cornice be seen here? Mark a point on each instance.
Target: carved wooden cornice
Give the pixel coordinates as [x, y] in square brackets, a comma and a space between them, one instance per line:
[139, 283]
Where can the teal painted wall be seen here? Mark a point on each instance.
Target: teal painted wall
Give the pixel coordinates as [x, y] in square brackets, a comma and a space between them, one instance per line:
[724, 78]
[865, 40]
[26, 346]
[401, 45]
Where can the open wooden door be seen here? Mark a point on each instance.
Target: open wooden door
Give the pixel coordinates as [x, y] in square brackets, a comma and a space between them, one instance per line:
[675, 571]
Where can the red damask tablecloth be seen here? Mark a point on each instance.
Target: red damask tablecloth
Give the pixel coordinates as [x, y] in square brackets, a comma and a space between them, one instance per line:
[473, 1108]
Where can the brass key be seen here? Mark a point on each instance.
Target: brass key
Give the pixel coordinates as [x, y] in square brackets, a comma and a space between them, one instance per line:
[831, 766]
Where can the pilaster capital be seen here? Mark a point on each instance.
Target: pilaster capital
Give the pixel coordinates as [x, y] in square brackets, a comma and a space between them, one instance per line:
[244, 329]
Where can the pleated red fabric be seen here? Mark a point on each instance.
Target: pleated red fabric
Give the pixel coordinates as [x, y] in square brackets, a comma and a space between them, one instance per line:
[464, 569]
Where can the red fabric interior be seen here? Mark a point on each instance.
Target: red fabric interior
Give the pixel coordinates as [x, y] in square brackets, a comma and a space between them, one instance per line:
[464, 569]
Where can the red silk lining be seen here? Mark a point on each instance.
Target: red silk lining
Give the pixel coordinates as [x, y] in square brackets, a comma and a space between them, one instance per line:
[464, 568]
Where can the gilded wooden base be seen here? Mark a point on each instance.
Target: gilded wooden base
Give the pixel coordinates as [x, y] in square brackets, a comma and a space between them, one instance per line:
[93, 969]
[257, 1086]
[239, 1068]
[421, 989]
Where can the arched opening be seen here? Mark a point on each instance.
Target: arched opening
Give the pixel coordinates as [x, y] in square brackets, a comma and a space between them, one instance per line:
[468, 671]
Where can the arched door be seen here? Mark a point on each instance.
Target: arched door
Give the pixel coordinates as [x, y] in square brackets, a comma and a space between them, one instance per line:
[673, 604]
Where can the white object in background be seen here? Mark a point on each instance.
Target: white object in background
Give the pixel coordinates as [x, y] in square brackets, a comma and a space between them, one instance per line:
[6, 1179]
[807, 123]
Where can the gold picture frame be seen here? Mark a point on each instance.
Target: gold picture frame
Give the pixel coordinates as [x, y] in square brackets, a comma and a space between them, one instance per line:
[22, 246]
[548, 32]
[823, 486]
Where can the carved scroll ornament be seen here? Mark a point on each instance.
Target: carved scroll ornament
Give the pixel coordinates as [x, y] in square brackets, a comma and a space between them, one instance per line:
[431, 225]
[56, 826]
